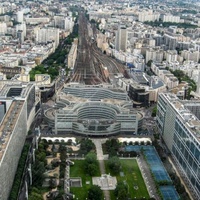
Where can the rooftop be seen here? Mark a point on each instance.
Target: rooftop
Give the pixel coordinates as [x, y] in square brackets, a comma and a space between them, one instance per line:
[189, 119]
[8, 124]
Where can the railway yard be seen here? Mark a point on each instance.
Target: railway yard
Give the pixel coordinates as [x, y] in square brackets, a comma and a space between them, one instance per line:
[92, 66]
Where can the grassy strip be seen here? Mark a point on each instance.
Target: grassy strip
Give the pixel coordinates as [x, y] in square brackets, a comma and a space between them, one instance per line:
[133, 177]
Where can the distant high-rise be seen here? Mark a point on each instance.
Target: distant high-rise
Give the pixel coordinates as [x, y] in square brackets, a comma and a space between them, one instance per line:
[20, 16]
[121, 39]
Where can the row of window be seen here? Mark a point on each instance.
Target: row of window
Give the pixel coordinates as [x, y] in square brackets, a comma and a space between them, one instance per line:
[186, 165]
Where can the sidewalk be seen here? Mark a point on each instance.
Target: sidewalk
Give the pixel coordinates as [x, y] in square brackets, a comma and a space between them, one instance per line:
[100, 158]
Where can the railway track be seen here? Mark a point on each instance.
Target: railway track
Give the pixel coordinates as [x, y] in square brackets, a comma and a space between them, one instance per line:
[91, 62]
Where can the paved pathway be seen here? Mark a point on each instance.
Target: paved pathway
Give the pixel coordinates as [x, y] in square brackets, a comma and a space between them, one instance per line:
[145, 171]
[100, 158]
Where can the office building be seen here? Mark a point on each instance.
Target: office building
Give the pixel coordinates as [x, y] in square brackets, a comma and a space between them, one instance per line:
[139, 95]
[17, 106]
[121, 38]
[180, 130]
[193, 106]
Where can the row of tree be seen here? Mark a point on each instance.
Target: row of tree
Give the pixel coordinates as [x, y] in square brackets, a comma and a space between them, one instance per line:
[19, 174]
[167, 24]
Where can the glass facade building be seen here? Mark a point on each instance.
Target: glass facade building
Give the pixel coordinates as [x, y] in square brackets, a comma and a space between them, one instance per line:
[180, 129]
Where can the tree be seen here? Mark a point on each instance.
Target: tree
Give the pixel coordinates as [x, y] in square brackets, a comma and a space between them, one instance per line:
[114, 164]
[121, 191]
[95, 193]
[52, 183]
[86, 145]
[112, 147]
[136, 143]
[91, 164]
[149, 63]
[92, 169]
[154, 111]
[35, 194]
[91, 158]
[92, 21]
[38, 173]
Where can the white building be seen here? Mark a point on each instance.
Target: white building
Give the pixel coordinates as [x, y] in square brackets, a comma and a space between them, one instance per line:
[20, 16]
[65, 23]
[154, 54]
[3, 28]
[21, 27]
[2, 10]
[37, 20]
[169, 79]
[171, 18]
[171, 56]
[148, 16]
[121, 39]
[191, 55]
[48, 34]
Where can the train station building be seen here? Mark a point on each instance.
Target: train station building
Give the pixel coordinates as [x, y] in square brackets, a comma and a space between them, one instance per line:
[93, 110]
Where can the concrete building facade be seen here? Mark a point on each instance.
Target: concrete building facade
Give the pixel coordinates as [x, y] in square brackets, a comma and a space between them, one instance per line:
[121, 39]
[180, 130]
[93, 111]
[19, 114]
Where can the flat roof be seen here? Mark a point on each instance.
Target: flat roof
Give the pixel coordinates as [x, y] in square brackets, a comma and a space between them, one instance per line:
[189, 119]
[8, 124]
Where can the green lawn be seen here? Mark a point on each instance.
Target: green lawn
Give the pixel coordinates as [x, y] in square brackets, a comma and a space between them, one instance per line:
[133, 177]
[77, 170]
